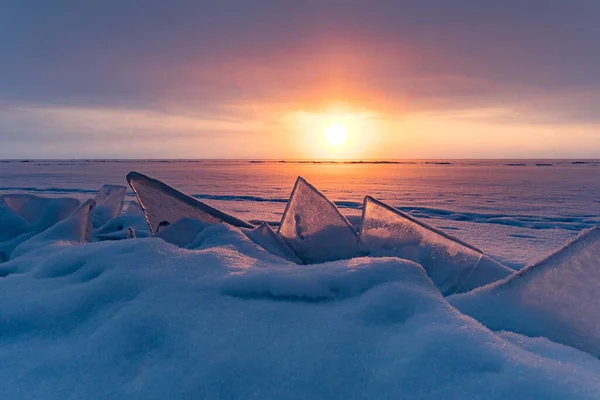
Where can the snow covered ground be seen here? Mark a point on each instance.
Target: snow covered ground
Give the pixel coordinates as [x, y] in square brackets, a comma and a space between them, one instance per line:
[213, 315]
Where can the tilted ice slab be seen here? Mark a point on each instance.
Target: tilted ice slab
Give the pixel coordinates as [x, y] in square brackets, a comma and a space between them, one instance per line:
[109, 202]
[163, 205]
[76, 228]
[452, 265]
[314, 228]
[269, 240]
[21, 213]
[557, 298]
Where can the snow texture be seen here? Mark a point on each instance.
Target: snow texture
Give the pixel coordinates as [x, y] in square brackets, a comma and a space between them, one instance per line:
[146, 319]
[449, 262]
[109, 202]
[556, 298]
[164, 205]
[314, 228]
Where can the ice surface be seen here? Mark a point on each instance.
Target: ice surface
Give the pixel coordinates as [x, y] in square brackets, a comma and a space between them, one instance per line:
[450, 263]
[183, 232]
[269, 240]
[314, 228]
[164, 205]
[109, 202]
[557, 298]
[146, 319]
[77, 227]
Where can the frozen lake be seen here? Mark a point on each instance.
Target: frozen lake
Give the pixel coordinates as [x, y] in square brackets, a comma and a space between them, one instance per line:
[517, 211]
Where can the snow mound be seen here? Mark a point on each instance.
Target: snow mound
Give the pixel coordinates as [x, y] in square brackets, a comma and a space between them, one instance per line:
[556, 298]
[323, 282]
[452, 265]
[109, 202]
[76, 228]
[146, 319]
[268, 239]
[163, 205]
[314, 228]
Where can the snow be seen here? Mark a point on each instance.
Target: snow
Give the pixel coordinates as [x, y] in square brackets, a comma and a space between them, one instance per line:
[449, 262]
[163, 204]
[109, 202]
[556, 298]
[314, 228]
[144, 318]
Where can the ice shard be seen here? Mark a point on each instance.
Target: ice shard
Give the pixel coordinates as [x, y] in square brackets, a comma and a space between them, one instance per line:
[181, 233]
[163, 205]
[268, 239]
[449, 262]
[40, 212]
[557, 298]
[75, 228]
[134, 208]
[314, 228]
[109, 202]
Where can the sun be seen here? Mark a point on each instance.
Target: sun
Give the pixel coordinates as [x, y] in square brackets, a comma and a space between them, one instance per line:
[336, 134]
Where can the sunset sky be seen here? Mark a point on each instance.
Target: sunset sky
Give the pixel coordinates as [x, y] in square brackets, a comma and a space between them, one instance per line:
[266, 79]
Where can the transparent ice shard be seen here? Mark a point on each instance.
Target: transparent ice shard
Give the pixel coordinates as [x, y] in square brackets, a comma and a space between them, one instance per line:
[557, 298]
[40, 212]
[75, 228]
[449, 262]
[486, 271]
[314, 228]
[268, 239]
[164, 205]
[109, 202]
[134, 208]
[181, 233]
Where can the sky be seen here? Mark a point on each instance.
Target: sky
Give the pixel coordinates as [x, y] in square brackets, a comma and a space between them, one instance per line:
[265, 79]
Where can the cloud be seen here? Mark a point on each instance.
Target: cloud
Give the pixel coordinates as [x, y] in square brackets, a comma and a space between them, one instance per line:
[235, 59]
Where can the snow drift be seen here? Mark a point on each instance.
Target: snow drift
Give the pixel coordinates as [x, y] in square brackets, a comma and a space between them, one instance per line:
[556, 298]
[225, 319]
